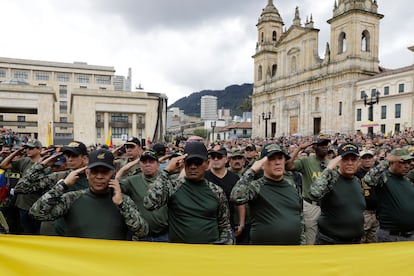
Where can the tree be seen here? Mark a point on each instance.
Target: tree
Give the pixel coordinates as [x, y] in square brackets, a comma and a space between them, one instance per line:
[246, 104]
[200, 132]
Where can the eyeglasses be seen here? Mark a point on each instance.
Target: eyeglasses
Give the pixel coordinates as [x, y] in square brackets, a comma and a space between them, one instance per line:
[218, 156]
[194, 161]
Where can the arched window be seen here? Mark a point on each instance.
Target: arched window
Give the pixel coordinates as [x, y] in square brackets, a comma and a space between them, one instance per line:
[274, 36]
[262, 37]
[365, 41]
[259, 73]
[293, 64]
[274, 70]
[342, 43]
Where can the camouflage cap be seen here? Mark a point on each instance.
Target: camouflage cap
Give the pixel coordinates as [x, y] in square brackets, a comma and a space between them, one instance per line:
[237, 153]
[148, 154]
[322, 139]
[271, 149]
[403, 154]
[33, 144]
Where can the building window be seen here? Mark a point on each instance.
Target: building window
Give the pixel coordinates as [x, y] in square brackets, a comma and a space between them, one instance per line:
[117, 132]
[63, 107]
[1, 118]
[365, 41]
[384, 112]
[274, 70]
[62, 77]
[63, 120]
[21, 118]
[401, 88]
[362, 94]
[42, 76]
[398, 111]
[98, 117]
[2, 73]
[83, 87]
[244, 132]
[293, 64]
[373, 92]
[386, 90]
[119, 117]
[98, 132]
[262, 37]
[82, 78]
[382, 128]
[359, 115]
[397, 127]
[21, 75]
[259, 73]
[63, 92]
[103, 80]
[340, 109]
[274, 36]
[342, 43]
[102, 88]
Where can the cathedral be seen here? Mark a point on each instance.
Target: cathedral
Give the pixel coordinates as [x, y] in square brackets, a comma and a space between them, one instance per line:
[296, 92]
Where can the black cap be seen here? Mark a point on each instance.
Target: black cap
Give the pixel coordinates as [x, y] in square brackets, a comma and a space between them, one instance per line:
[76, 147]
[159, 149]
[271, 149]
[348, 148]
[196, 150]
[133, 141]
[148, 154]
[218, 149]
[101, 157]
[322, 139]
[250, 147]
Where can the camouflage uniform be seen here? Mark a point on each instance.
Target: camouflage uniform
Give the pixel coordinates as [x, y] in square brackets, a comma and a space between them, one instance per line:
[164, 188]
[57, 203]
[247, 189]
[134, 170]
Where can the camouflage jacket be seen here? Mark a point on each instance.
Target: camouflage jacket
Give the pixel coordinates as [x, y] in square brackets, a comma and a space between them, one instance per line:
[56, 203]
[323, 184]
[378, 175]
[247, 189]
[38, 178]
[165, 186]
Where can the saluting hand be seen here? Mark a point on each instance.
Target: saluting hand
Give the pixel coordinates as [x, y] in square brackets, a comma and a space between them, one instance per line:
[73, 176]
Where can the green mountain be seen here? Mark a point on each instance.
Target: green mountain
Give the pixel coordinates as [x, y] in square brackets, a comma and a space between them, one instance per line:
[237, 98]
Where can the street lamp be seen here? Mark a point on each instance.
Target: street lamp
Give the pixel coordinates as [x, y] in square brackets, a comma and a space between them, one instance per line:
[213, 125]
[373, 100]
[266, 117]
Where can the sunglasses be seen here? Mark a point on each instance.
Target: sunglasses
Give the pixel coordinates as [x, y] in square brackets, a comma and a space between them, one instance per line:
[216, 156]
[194, 161]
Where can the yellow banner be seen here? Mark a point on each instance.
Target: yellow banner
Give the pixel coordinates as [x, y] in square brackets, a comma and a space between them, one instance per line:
[40, 255]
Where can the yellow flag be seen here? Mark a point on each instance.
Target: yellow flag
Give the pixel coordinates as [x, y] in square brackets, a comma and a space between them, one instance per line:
[109, 138]
[49, 138]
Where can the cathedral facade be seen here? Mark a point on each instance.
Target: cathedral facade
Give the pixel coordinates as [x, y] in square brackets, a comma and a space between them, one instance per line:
[296, 91]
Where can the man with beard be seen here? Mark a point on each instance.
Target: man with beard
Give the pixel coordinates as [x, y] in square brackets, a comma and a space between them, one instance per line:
[394, 194]
[311, 168]
[136, 187]
[198, 211]
[40, 178]
[341, 199]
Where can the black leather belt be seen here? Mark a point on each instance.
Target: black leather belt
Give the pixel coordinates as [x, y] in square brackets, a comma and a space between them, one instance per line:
[311, 201]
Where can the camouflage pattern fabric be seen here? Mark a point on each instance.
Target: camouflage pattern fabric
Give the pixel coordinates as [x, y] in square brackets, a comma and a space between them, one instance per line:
[323, 184]
[377, 176]
[165, 186]
[56, 203]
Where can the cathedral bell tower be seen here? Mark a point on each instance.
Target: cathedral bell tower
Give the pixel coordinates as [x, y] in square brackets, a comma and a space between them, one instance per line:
[355, 35]
[269, 29]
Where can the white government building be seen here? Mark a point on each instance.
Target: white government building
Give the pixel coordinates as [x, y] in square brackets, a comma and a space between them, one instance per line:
[80, 101]
[306, 94]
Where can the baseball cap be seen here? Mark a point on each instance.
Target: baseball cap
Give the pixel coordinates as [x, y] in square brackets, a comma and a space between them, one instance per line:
[347, 149]
[33, 144]
[196, 150]
[101, 157]
[219, 150]
[366, 152]
[76, 147]
[236, 153]
[148, 154]
[159, 149]
[250, 147]
[402, 153]
[60, 161]
[271, 149]
[322, 139]
[133, 141]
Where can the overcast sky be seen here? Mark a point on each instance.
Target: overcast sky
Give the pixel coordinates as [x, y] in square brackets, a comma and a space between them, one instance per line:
[174, 47]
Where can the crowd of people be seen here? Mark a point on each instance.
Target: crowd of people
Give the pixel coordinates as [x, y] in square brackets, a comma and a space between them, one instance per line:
[323, 189]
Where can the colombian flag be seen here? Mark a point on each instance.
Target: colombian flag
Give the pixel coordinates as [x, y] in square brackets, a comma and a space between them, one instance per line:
[109, 138]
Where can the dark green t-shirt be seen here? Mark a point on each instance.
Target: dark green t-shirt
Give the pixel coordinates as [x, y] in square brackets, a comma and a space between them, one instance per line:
[396, 203]
[342, 210]
[192, 212]
[276, 214]
[311, 168]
